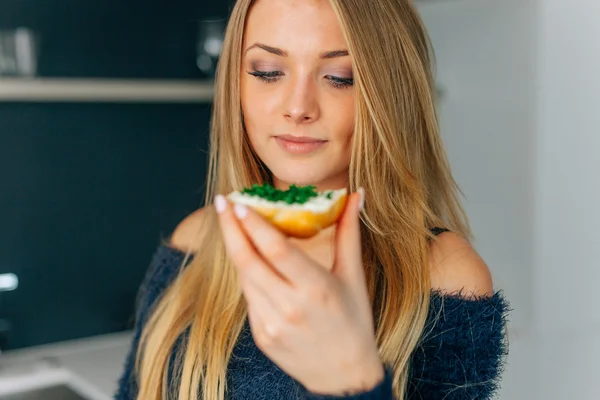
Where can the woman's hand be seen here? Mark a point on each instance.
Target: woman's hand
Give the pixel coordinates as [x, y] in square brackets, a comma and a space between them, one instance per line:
[316, 325]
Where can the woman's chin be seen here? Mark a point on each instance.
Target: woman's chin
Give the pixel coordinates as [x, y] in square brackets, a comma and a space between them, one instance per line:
[318, 171]
[301, 177]
[308, 177]
[285, 182]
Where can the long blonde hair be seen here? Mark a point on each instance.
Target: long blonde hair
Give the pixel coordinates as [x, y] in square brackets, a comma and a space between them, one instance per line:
[397, 156]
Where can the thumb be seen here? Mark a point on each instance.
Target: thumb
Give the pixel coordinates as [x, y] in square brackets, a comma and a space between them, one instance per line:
[348, 265]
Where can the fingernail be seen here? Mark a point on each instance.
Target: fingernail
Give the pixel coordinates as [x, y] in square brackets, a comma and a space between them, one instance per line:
[220, 203]
[361, 202]
[240, 211]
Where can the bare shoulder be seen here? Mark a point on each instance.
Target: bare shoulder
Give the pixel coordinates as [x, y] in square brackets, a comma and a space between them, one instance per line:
[186, 234]
[456, 266]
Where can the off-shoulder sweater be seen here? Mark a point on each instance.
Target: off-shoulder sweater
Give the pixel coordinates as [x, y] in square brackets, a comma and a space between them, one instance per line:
[460, 356]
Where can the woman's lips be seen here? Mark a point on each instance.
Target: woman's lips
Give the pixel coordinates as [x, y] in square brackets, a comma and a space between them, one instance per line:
[299, 144]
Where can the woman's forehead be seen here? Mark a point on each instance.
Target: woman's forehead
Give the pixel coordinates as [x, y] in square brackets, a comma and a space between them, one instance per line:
[309, 25]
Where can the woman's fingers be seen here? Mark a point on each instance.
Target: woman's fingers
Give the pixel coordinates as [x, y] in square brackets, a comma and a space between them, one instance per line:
[348, 264]
[289, 261]
[261, 285]
[249, 263]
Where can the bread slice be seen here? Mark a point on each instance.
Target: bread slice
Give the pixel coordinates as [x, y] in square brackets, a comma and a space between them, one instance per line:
[299, 220]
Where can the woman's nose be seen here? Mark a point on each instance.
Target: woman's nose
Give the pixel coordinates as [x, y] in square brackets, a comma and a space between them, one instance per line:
[302, 104]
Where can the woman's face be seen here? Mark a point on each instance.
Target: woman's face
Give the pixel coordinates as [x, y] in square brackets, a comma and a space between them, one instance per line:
[297, 93]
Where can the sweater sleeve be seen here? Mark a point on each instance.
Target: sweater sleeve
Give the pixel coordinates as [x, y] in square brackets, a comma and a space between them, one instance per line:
[162, 271]
[460, 355]
[383, 391]
[462, 351]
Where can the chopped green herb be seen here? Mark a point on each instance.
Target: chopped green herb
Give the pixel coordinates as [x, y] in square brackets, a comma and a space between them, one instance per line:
[294, 195]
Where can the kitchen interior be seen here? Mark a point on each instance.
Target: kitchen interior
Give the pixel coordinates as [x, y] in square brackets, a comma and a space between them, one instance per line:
[104, 120]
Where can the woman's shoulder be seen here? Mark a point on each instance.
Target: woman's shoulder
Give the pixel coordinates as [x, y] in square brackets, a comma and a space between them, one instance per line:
[185, 236]
[454, 264]
[466, 326]
[456, 267]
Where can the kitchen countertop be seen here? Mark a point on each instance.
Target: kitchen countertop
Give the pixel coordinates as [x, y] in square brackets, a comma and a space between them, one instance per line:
[95, 362]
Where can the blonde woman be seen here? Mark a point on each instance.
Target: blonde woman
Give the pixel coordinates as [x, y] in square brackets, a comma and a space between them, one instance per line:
[393, 301]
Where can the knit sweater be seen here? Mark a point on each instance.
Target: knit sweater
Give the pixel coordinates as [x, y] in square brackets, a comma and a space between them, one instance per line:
[461, 353]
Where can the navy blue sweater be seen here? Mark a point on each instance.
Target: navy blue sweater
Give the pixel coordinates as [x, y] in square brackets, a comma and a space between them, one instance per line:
[461, 354]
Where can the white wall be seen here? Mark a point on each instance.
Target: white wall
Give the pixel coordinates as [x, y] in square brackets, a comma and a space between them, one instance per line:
[567, 267]
[521, 121]
[485, 53]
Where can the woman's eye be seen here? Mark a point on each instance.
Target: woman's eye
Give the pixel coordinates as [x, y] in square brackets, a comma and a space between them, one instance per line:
[266, 76]
[340, 83]
[273, 76]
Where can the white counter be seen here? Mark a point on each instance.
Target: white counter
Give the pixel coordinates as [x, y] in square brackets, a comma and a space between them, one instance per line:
[92, 363]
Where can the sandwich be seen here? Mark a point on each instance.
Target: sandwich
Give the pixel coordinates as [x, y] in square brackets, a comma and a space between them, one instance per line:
[299, 211]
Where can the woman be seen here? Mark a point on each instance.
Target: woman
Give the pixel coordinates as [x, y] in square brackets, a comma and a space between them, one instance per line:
[393, 302]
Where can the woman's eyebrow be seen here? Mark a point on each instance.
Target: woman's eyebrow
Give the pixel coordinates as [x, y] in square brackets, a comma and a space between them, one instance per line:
[270, 49]
[334, 54]
[282, 53]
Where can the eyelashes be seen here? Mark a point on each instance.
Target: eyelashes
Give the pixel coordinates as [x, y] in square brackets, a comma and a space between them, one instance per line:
[273, 76]
[340, 83]
[267, 77]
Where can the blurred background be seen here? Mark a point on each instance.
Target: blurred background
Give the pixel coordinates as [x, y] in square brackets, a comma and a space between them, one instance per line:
[101, 154]
[104, 118]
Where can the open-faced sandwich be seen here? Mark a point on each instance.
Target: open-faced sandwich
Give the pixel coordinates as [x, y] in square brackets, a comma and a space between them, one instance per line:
[299, 212]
